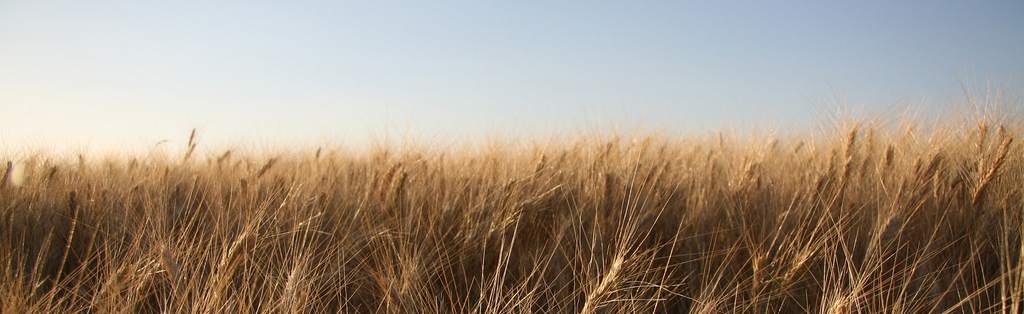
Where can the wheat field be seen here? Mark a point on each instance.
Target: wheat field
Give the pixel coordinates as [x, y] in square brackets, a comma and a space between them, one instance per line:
[867, 218]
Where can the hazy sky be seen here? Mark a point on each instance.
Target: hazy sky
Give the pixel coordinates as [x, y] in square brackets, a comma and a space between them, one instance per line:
[132, 73]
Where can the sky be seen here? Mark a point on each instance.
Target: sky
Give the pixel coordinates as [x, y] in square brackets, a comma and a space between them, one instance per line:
[130, 74]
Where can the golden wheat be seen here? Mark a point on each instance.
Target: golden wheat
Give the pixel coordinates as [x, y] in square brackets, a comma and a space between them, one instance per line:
[866, 219]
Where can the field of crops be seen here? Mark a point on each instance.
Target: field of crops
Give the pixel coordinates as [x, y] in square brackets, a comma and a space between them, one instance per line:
[868, 217]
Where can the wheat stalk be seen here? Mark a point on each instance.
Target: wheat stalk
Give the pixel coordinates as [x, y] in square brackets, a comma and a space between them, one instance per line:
[7, 174]
[230, 260]
[266, 167]
[190, 147]
[979, 192]
[597, 297]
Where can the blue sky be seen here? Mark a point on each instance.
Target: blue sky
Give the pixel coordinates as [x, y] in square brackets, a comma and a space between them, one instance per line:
[127, 74]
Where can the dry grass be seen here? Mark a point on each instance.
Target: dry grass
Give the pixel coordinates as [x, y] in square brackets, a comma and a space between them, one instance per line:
[872, 219]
